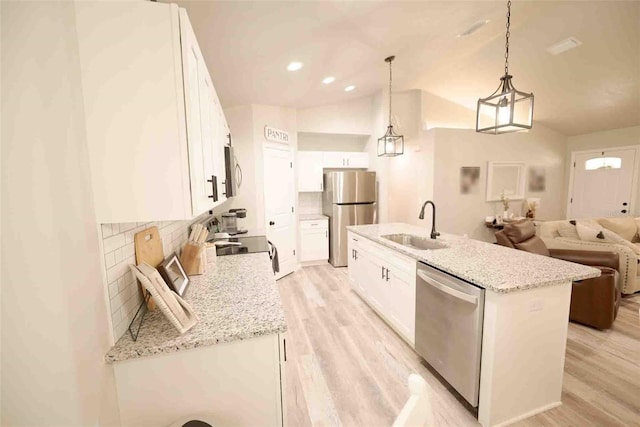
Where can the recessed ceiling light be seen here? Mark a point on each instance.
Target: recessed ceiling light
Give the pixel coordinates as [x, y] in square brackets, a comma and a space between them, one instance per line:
[472, 29]
[349, 88]
[328, 80]
[564, 45]
[294, 66]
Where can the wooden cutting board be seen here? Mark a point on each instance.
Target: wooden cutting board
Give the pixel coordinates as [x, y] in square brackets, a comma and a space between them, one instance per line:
[148, 246]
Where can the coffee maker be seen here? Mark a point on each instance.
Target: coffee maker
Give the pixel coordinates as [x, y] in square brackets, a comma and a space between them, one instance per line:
[230, 221]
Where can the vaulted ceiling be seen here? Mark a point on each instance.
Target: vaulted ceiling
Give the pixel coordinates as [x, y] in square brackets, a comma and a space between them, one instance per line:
[248, 44]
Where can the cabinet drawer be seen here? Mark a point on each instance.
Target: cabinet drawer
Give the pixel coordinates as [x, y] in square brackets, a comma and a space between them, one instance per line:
[315, 224]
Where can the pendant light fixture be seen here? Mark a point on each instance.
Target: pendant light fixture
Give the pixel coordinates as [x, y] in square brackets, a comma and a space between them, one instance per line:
[390, 144]
[507, 109]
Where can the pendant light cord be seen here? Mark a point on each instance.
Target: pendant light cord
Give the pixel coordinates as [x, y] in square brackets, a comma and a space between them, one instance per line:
[390, 80]
[506, 54]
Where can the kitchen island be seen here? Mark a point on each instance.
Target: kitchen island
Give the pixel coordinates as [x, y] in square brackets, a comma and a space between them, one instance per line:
[523, 310]
[229, 361]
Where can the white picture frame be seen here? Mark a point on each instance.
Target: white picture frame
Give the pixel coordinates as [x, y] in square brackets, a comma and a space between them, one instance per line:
[505, 178]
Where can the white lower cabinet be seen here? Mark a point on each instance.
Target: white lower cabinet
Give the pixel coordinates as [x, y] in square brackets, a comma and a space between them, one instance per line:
[314, 240]
[238, 383]
[386, 280]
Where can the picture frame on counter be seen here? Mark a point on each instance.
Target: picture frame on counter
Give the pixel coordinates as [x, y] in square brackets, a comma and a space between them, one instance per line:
[174, 275]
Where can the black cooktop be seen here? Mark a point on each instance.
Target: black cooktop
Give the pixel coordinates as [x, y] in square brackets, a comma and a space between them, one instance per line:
[250, 245]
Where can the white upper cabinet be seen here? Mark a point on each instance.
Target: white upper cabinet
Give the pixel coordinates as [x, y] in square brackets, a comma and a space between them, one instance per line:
[341, 160]
[310, 164]
[151, 113]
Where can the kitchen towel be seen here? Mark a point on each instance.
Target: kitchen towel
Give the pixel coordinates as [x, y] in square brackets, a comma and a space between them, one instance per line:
[273, 254]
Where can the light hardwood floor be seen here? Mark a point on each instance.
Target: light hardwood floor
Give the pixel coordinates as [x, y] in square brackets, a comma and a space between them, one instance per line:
[346, 367]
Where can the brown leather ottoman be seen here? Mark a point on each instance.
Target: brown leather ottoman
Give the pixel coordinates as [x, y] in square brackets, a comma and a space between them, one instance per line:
[594, 302]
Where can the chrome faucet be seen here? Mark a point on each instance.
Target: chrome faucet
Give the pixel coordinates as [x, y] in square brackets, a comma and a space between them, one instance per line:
[434, 233]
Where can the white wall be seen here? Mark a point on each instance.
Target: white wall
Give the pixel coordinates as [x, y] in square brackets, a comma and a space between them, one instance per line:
[464, 213]
[331, 142]
[353, 117]
[606, 139]
[54, 316]
[438, 112]
[609, 138]
[247, 129]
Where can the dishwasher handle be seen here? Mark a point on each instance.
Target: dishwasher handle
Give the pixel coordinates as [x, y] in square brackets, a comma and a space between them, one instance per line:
[448, 290]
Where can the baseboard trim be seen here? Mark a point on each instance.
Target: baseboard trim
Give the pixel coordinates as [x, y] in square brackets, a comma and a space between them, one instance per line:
[529, 414]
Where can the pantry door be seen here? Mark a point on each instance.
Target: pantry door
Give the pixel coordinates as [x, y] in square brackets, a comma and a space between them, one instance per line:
[602, 183]
[279, 201]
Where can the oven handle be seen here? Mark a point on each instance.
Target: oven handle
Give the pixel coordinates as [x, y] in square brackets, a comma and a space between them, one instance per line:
[447, 290]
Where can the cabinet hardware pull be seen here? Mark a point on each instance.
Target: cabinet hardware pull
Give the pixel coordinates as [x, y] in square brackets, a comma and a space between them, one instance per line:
[383, 272]
[356, 255]
[284, 344]
[214, 185]
[623, 211]
[272, 223]
[387, 274]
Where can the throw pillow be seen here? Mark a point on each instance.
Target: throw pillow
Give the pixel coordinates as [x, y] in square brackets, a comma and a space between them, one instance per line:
[568, 229]
[591, 234]
[637, 221]
[625, 227]
[617, 239]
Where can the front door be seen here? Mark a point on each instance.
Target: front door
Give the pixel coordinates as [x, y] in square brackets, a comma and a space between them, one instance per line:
[602, 183]
[279, 200]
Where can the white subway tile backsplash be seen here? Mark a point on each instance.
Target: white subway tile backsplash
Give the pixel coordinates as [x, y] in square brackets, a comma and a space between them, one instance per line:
[128, 250]
[106, 230]
[109, 260]
[112, 243]
[118, 255]
[124, 291]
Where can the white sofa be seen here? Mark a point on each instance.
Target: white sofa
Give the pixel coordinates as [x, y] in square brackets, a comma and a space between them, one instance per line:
[557, 235]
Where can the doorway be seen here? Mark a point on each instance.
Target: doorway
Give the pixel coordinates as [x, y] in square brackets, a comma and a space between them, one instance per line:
[603, 183]
[279, 202]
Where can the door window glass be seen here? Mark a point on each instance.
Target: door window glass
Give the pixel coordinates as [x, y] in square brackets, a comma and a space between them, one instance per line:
[603, 163]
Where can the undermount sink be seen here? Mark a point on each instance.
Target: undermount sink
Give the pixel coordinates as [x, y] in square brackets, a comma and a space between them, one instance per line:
[415, 242]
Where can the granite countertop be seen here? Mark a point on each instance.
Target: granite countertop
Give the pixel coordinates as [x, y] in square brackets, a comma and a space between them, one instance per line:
[236, 299]
[493, 267]
[312, 217]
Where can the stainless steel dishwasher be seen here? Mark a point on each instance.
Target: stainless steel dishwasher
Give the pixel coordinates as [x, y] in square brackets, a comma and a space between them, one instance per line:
[449, 315]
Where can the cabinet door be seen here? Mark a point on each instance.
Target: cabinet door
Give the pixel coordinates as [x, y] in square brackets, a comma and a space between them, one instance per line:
[334, 159]
[196, 106]
[218, 143]
[134, 109]
[401, 308]
[357, 160]
[314, 245]
[373, 283]
[209, 134]
[310, 166]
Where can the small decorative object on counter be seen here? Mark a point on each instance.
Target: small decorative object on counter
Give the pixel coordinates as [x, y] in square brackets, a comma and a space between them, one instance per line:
[194, 257]
[179, 313]
[211, 253]
[174, 275]
[148, 247]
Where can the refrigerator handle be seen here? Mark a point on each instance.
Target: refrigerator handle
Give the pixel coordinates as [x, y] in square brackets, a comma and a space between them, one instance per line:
[375, 212]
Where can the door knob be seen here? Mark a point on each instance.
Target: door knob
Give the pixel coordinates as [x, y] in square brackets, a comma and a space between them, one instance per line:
[272, 223]
[623, 211]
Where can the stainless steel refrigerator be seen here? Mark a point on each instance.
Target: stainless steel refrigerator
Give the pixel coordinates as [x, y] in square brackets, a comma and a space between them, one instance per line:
[349, 198]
